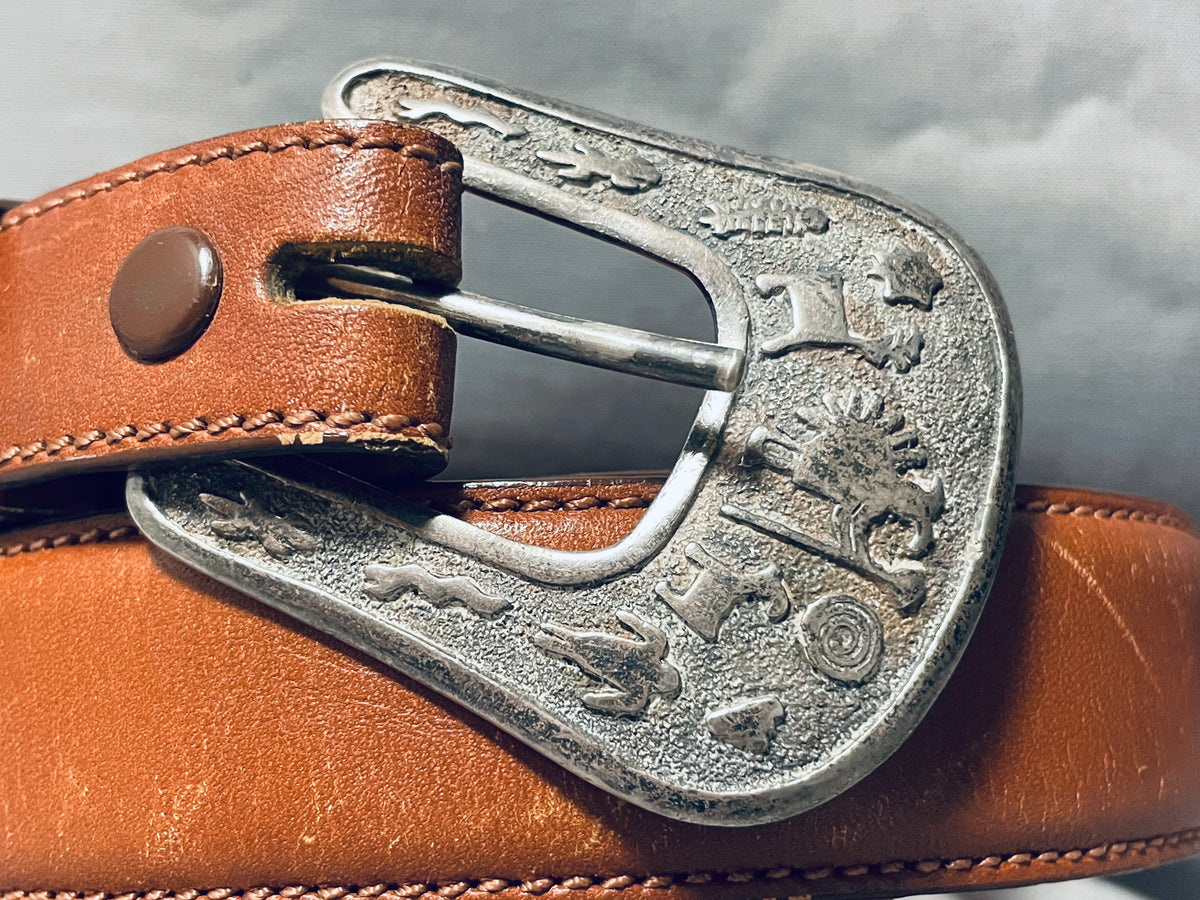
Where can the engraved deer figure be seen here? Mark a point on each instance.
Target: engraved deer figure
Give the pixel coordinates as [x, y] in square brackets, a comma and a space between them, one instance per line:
[818, 304]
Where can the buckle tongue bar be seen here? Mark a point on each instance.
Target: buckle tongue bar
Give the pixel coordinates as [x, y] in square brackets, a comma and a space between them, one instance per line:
[628, 350]
[782, 616]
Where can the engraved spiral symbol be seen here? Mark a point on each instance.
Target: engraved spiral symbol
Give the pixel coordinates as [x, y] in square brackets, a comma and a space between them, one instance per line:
[843, 638]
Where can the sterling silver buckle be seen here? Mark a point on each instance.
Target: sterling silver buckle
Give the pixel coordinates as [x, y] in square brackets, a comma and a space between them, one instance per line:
[789, 607]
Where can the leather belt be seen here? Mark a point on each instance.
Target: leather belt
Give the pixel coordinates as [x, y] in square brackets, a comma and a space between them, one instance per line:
[264, 373]
[165, 734]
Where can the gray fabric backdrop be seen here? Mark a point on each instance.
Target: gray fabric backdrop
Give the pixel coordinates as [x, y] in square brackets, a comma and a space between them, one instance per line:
[1061, 139]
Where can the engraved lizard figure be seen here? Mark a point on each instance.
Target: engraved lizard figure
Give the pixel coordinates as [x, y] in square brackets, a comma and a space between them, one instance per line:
[635, 669]
[415, 110]
[717, 587]
[250, 520]
[629, 173]
[389, 582]
[818, 304]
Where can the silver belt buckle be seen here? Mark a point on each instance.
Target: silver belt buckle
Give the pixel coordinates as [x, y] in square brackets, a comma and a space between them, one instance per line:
[789, 607]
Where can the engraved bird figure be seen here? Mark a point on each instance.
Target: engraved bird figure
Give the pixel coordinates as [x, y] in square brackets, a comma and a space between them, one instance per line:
[635, 669]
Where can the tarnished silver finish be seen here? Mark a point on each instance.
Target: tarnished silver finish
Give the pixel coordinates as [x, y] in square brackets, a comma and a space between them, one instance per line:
[760, 218]
[584, 163]
[391, 582]
[634, 670]
[843, 638]
[628, 350]
[415, 110]
[905, 276]
[749, 725]
[784, 614]
[718, 586]
[818, 305]
[249, 520]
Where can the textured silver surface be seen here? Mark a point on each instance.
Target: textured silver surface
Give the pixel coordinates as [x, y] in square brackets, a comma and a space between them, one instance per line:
[787, 610]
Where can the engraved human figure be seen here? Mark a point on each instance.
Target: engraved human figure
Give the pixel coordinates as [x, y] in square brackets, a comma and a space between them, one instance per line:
[634, 669]
[717, 587]
[818, 303]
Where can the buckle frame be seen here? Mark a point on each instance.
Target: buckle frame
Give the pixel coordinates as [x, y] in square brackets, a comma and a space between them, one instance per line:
[788, 608]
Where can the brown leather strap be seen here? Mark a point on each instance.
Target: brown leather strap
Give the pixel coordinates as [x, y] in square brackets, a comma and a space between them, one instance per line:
[162, 732]
[266, 373]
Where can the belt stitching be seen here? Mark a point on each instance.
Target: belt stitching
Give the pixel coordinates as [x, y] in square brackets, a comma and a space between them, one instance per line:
[1186, 839]
[233, 152]
[389, 422]
[1105, 512]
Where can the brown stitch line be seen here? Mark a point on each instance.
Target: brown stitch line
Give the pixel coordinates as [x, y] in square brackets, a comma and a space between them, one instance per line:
[231, 152]
[536, 887]
[535, 503]
[1104, 512]
[70, 538]
[183, 430]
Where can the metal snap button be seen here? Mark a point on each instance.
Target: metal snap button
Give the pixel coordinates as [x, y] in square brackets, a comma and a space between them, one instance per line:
[165, 293]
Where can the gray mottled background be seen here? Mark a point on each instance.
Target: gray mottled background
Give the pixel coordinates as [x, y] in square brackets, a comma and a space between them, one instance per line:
[1061, 139]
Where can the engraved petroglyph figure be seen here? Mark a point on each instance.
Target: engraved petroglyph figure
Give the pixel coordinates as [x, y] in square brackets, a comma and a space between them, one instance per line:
[858, 459]
[635, 669]
[251, 520]
[818, 305]
[629, 173]
[905, 276]
[750, 724]
[415, 110]
[389, 582]
[717, 587]
[843, 638]
[762, 217]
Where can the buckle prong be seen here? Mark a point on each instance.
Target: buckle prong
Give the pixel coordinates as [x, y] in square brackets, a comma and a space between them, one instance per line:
[629, 350]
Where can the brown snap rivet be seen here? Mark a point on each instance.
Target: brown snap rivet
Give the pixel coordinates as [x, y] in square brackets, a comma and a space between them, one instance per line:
[165, 293]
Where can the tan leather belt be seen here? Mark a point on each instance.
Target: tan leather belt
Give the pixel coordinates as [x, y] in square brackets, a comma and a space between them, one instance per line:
[165, 735]
[264, 373]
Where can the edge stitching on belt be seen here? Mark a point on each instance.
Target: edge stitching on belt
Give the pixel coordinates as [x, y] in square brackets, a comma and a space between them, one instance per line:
[233, 152]
[536, 503]
[1105, 512]
[386, 422]
[1103, 852]
[91, 536]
